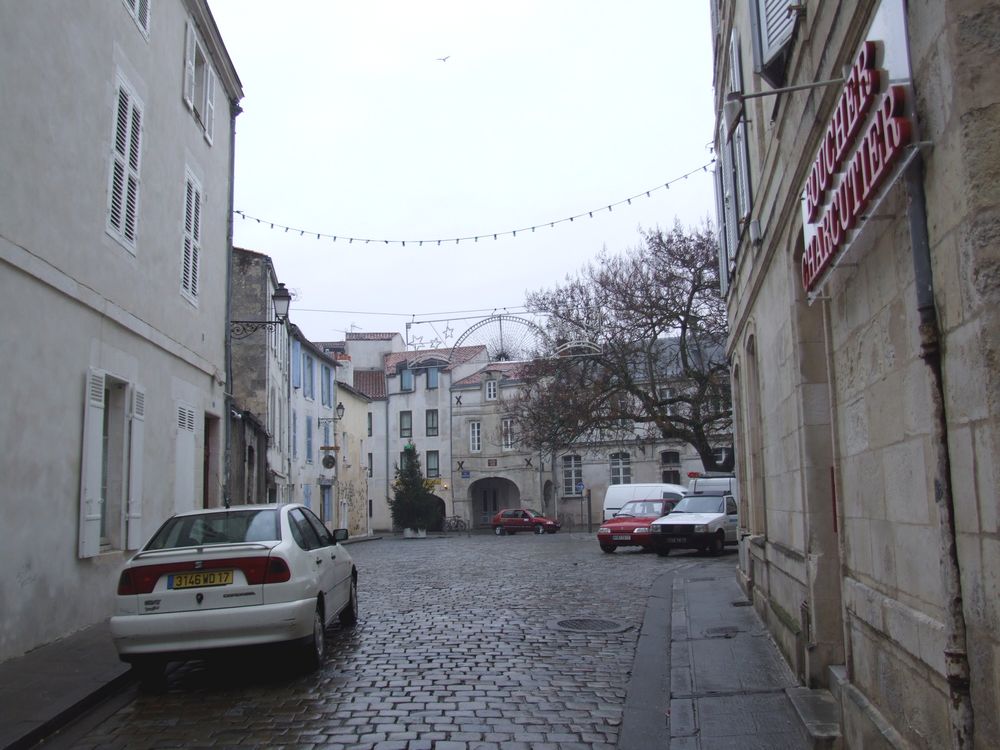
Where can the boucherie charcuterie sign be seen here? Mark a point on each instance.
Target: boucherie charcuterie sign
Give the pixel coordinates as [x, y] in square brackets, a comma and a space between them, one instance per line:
[863, 142]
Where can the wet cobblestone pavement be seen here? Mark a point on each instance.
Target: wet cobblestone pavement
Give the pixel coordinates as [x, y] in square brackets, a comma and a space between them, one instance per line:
[457, 647]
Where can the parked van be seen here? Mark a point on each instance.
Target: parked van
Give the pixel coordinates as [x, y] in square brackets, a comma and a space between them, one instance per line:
[719, 484]
[619, 494]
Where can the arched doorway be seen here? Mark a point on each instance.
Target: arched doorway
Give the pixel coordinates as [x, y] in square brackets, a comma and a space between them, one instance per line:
[490, 495]
[548, 493]
[440, 508]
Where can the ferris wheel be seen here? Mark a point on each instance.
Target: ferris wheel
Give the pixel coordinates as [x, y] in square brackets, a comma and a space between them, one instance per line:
[507, 338]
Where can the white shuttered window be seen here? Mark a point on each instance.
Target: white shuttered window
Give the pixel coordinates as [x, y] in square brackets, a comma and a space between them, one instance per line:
[191, 251]
[126, 154]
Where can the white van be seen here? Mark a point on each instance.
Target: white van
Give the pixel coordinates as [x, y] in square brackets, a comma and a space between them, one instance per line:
[619, 494]
[715, 485]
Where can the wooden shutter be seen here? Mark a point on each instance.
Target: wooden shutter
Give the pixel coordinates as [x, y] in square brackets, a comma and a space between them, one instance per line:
[91, 463]
[123, 203]
[189, 52]
[136, 458]
[191, 260]
[776, 26]
[184, 466]
[740, 150]
[720, 212]
[209, 102]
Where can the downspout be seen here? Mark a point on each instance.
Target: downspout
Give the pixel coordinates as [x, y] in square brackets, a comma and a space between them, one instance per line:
[956, 654]
[234, 111]
[387, 448]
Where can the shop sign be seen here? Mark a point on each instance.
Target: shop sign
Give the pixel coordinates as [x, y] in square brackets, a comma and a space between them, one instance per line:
[863, 142]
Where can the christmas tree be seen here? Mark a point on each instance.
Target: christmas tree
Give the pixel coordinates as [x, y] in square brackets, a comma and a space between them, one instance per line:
[413, 503]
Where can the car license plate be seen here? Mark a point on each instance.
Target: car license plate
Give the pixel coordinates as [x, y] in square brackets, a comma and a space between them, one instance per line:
[676, 539]
[200, 579]
[621, 537]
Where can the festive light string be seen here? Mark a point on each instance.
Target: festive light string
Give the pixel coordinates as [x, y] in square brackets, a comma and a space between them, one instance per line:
[475, 237]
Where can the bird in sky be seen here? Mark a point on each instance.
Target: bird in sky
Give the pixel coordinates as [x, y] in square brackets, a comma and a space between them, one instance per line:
[443, 59]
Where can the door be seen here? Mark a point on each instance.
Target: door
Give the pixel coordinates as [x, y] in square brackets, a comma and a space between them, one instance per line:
[318, 548]
[338, 564]
[732, 519]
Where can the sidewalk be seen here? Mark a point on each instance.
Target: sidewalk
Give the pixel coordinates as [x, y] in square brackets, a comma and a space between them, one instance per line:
[48, 687]
[707, 675]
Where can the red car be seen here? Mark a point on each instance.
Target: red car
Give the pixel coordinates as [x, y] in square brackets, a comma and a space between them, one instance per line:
[521, 519]
[630, 526]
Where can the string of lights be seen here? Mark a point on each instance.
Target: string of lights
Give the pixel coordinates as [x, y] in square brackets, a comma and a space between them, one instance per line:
[475, 237]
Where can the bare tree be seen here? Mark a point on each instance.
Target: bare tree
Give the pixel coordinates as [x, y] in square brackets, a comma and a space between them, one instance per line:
[659, 367]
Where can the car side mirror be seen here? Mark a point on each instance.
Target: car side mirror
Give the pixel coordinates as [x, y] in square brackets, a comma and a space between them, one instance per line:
[341, 535]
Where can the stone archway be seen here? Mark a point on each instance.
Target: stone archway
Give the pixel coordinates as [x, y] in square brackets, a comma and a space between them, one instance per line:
[441, 509]
[489, 495]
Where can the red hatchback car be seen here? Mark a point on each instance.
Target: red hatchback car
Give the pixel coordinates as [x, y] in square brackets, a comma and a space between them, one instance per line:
[630, 526]
[520, 519]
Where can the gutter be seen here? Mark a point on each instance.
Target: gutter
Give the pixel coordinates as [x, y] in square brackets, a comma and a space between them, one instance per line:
[957, 671]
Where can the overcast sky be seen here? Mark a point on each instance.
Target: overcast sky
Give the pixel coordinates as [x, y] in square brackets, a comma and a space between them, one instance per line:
[544, 109]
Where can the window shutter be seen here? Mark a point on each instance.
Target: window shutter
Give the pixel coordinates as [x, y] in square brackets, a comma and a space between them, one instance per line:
[740, 150]
[123, 199]
[728, 196]
[133, 518]
[91, 455]
[209, 103]
[189, 52]
[772, 24]
[720, 212]
[142, 14]
[191, 260]
[184, 467]
[776, 26]
[296, 364]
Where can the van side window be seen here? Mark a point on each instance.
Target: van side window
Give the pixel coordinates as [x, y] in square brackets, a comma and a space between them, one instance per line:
[730, 506]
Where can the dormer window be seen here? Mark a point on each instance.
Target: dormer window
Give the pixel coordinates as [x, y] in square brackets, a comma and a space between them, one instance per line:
[491, 390]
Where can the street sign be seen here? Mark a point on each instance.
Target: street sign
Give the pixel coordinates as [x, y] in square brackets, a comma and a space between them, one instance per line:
[579, 488]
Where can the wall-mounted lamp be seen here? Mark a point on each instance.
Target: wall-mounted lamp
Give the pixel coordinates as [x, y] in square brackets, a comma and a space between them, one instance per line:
[732, 109]
[281, 299]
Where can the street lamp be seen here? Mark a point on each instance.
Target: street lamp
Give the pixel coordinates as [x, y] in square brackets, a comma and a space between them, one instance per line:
[281, 299]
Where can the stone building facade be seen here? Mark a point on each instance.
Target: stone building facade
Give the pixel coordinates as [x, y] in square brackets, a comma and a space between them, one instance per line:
[859, 224]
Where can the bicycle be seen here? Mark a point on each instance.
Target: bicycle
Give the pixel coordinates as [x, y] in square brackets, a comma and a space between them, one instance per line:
[454, 523]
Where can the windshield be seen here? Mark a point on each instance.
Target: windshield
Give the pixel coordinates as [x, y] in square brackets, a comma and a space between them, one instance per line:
[643, 508]
[217, 528]
[700, 504]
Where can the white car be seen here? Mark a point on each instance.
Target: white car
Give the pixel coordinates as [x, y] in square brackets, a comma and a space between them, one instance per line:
[705, 522]
[228, 577]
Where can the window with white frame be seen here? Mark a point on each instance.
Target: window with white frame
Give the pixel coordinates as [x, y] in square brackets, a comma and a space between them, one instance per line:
[406, 424]
[295, 434]
[112, 465]
[369, 424]
[431, 423]
[507, 433]
[491, 390]
[371, 466]
[309, 440]
[621, 468]
[432, 377]
[191, 252]
[433, 464]
[475, 437]
[126, 153]
[572, 471]
[199, 82]
[139, 10]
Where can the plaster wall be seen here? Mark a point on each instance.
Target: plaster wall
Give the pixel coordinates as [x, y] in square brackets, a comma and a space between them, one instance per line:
[81, 300]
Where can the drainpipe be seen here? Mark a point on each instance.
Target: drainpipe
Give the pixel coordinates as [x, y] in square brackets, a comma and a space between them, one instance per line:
[956, 653]
[234, 110]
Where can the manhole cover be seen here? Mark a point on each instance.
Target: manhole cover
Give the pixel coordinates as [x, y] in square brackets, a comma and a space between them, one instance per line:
[726, 631]
[591, 625]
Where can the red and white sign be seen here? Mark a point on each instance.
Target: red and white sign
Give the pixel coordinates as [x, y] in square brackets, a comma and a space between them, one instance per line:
[864, 140]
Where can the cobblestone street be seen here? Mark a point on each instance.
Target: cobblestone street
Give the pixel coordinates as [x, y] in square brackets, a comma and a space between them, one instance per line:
[458, 646]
